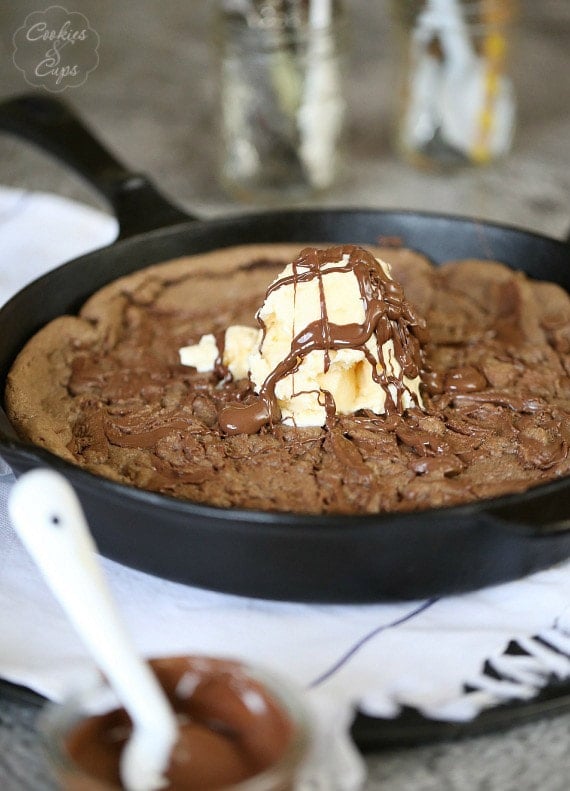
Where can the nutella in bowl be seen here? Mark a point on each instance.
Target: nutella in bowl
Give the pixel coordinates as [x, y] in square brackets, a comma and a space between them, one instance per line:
[239, 730]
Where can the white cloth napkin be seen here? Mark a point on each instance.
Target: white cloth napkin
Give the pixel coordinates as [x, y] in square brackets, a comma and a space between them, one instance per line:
[450, 658]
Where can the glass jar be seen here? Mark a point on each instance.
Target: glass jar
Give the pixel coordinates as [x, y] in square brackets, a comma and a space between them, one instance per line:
[59, 725]
[456, 103]
[281, 98]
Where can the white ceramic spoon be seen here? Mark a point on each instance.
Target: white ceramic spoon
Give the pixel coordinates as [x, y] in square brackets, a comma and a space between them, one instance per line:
[49, 520]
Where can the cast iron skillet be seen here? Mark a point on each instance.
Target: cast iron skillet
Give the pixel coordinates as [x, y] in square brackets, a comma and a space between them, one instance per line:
[277, 555]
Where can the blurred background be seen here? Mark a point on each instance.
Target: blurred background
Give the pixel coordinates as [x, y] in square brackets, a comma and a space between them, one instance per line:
[154, 99]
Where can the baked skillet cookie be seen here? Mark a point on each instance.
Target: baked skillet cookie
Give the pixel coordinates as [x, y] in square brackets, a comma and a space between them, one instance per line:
[106, 391]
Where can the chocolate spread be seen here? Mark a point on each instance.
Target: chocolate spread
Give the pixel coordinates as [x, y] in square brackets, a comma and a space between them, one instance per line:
[106, 391]
[387, 315]
[230, 728]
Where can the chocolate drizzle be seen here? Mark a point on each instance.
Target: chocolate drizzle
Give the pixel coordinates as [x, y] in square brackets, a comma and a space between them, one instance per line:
[387, 315]
[222, 371]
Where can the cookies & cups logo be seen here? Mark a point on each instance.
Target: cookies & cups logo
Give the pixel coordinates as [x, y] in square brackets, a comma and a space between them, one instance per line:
[56, 49]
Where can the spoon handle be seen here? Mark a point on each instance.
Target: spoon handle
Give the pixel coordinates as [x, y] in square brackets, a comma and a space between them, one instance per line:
[49, 520]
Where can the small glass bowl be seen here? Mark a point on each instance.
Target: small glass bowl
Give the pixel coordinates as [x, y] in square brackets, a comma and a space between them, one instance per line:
[57, 722]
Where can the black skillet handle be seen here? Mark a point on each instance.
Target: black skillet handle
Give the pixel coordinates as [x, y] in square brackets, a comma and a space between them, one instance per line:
[50, 124]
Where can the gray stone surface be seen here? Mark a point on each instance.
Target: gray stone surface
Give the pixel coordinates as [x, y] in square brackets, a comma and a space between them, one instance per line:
[153, 99]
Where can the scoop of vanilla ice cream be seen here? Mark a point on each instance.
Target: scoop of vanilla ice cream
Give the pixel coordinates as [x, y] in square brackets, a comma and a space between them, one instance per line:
[293, 304]
[290, 308]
